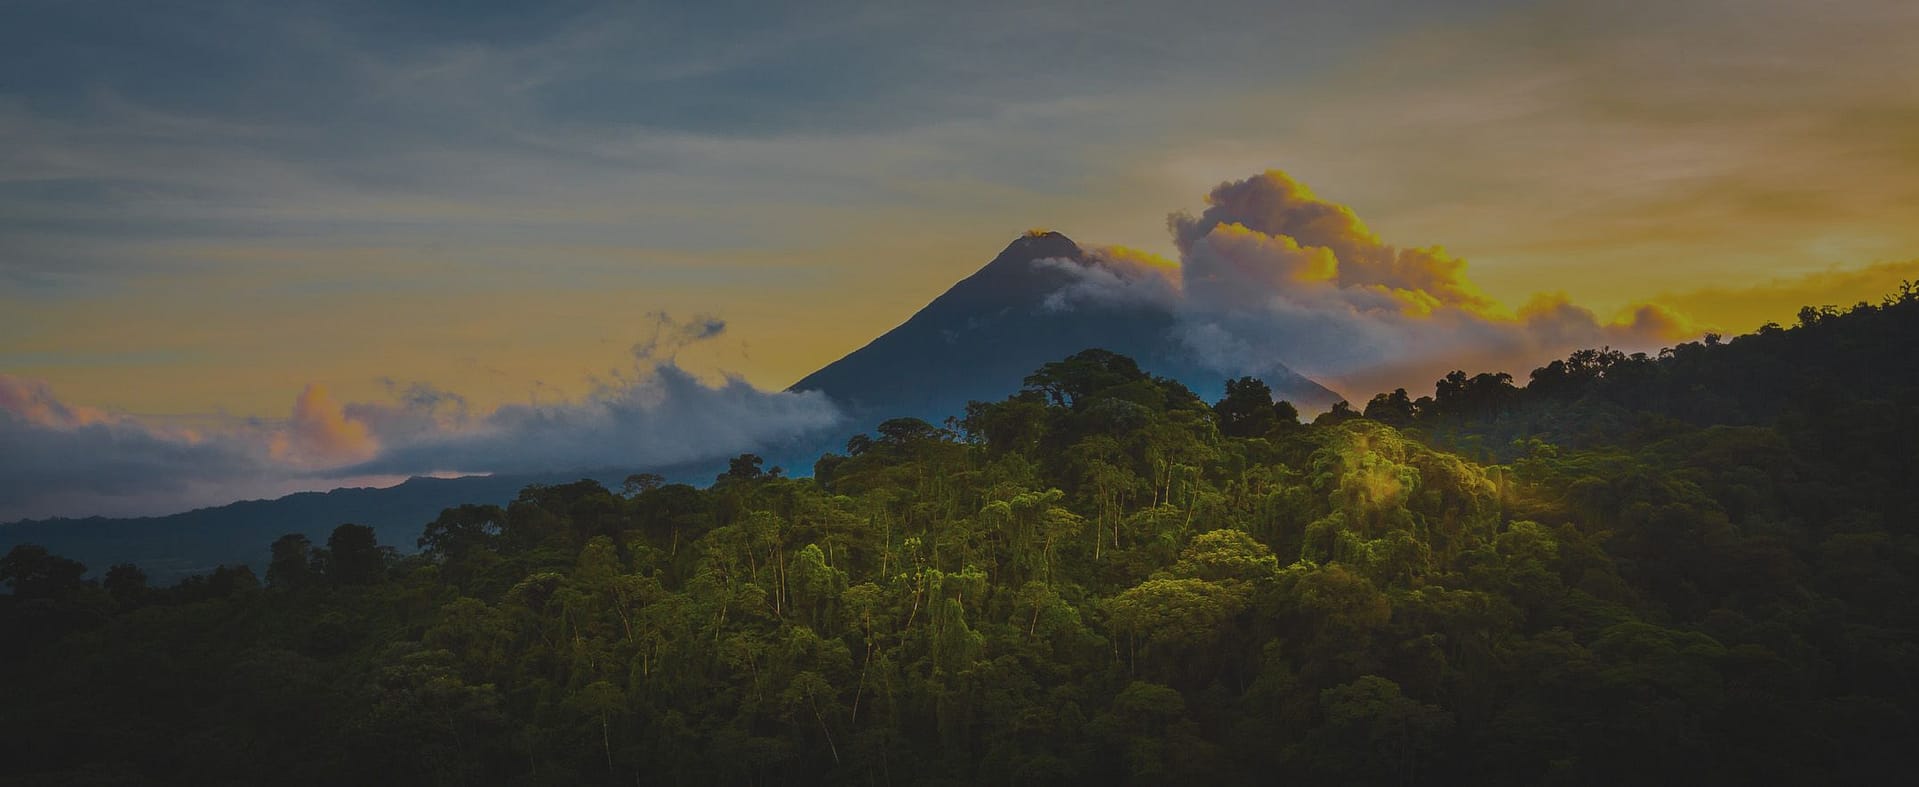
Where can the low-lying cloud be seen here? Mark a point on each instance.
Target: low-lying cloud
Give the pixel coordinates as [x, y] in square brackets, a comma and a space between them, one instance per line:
[1269, 274]
[661, 415]
[1118, 276]
[62, 459]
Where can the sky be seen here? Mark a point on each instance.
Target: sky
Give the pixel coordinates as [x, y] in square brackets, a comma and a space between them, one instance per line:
[247, 248]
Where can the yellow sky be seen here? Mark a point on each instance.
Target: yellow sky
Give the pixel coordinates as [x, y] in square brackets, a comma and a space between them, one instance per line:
[1730, 160]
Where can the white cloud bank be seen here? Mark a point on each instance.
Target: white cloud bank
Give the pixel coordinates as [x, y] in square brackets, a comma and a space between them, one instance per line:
[59, 459]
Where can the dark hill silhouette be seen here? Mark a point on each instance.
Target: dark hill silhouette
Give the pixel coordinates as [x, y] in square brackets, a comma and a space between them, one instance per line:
[982, 337]
[194, 542]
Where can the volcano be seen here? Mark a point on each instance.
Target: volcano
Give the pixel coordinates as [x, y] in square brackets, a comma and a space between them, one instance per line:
[982, 337]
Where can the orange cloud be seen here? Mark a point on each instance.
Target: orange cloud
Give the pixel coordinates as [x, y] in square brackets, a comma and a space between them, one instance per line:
[1243, 257]
[1116, 256]
[33, 401]
[321, 434]
[1336, 243]
[1555, 318]
[1271, 275]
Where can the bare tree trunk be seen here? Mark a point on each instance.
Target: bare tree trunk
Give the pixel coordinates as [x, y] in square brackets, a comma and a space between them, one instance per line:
[828, 733]
[606, 742]
[861, 688]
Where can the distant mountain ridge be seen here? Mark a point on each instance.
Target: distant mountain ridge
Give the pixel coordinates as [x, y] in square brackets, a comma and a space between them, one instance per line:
[174, 546]
[177, 545]
[982, 337]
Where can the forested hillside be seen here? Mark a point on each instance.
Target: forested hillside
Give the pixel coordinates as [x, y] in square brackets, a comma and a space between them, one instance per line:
[1696, 567]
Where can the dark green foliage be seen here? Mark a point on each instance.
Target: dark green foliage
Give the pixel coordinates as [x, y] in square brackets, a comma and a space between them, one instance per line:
[127, 584]
[353, 556]
[1695, 568]
[1248, 409]
[458, 531]
[745, 467]
[292, 564]
[32, 574]
[1393, 409]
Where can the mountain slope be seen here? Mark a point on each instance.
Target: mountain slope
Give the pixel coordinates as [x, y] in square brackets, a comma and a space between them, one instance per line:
[982, 337]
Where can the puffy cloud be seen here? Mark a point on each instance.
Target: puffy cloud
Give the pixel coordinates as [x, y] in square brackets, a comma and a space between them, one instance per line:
[1270, 274]
[1322, 241]
[321, 434]
[32, 402]
[60, 459]
[659, 414]
[653, 413]
[415, 410]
